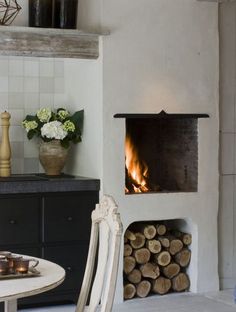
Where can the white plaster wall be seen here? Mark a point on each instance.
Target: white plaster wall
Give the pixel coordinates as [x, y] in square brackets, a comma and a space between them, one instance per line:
[164, 55]
[83, 90]
[161, 54]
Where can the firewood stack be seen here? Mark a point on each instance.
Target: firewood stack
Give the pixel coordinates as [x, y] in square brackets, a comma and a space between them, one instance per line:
[155, 260]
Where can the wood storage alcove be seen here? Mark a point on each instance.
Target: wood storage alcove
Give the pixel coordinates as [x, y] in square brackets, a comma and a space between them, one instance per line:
[156, 258]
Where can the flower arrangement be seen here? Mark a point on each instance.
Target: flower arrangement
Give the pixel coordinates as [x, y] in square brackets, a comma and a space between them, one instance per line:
[59, 125]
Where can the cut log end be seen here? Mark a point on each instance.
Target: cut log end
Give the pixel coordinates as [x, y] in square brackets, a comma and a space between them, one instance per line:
[142, 255]
[143, 289]
[129, 291]
[161, 229]
[150, 270]
[161, 285]
[183, 257]
[129, 235]
[129, 264]
[175, 246]
[127, 250]
[139, 241]
[171, 270]
[163, 258]
[180, 282]
[149, 231]
[153, 245]
[134, 277]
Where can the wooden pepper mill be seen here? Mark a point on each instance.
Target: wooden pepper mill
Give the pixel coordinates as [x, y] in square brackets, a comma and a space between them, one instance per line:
[5, 148]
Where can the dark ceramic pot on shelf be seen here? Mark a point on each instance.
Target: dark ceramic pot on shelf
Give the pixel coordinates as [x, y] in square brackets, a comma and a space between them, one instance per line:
[40, 13]
[65, 13]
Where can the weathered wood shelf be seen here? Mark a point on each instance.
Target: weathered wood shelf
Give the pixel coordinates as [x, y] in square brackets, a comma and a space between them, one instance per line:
[48, 42]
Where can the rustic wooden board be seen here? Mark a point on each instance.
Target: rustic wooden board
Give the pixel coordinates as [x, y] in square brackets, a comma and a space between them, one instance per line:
[45, 42]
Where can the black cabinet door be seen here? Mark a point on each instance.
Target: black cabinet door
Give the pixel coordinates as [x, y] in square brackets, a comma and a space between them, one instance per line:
[19, 220]
[68, 217]
[73, 259]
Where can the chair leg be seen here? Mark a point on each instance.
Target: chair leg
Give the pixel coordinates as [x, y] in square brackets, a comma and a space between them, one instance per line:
[10, 306]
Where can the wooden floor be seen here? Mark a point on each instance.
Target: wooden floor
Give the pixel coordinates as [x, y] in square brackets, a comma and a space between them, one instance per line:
[210, 302]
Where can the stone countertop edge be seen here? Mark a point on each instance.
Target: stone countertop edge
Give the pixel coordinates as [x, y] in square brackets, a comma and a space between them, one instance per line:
[51, 185]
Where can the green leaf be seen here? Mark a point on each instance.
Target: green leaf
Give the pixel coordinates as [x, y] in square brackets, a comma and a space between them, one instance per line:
[30, 134]
[31, 118]
[78, 119]
[77, 139]
[65, 143]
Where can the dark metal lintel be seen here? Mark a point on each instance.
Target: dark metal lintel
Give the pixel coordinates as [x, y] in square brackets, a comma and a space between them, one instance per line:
[161, 115]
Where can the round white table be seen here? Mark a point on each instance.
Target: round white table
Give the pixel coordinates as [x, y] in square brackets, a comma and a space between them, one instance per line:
[51, 276]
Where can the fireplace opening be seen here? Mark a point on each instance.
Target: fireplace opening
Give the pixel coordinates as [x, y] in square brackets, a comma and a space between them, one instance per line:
[156, 258]
[161, 153]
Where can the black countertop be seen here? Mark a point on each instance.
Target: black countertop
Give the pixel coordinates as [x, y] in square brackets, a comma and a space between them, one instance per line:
[40, 183]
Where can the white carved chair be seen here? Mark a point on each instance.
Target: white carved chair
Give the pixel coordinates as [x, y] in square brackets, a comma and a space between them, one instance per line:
[106, 232]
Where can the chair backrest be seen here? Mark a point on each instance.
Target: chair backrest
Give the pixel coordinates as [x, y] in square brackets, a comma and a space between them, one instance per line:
[106, 231]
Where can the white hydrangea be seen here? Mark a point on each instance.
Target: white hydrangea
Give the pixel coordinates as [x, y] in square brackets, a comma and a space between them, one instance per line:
[53, 130]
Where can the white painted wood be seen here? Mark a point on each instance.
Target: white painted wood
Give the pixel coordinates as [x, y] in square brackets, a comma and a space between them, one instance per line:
[105, 223]
[10, 306]
[52, 275]
[227, 208]
[48, 42]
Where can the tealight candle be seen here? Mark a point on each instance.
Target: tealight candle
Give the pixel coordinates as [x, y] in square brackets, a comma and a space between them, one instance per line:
[22, 265]
[3, 266]
[11, 260]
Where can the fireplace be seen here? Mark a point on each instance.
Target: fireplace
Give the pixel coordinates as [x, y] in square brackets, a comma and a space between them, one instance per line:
[161, 152]
[191, 200]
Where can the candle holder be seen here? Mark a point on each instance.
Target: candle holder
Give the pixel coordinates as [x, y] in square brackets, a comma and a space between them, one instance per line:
[4, 266]
[21, 266]
[11, 261]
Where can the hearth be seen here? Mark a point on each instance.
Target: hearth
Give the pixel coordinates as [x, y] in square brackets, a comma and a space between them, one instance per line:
[161, 152]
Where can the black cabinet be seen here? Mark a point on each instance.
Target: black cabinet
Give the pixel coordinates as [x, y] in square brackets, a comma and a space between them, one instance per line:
[54, 226]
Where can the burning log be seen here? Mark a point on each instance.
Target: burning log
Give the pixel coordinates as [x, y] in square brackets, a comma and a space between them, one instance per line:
[143, 288]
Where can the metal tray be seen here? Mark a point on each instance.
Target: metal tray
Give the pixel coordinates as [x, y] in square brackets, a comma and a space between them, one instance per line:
[32, 272]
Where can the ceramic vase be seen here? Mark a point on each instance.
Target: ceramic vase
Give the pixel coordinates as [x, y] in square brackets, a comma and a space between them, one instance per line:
[52, 156]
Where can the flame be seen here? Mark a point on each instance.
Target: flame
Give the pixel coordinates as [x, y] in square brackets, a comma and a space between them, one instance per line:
[137, 169]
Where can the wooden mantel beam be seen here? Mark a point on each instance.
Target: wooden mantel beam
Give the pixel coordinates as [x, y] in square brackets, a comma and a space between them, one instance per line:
[48, 42]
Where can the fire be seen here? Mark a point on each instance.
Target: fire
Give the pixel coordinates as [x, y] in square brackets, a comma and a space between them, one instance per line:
[137, 169]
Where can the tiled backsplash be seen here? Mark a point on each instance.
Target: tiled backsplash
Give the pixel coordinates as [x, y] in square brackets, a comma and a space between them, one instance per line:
[26, 84]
